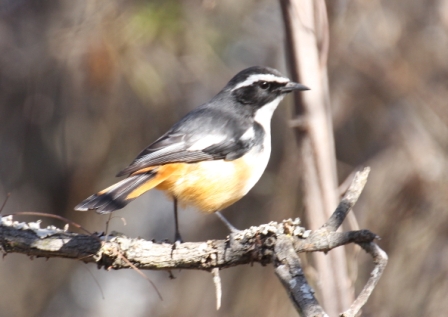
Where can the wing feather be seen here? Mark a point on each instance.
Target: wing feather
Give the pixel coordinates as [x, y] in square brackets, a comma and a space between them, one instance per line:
[197, 138]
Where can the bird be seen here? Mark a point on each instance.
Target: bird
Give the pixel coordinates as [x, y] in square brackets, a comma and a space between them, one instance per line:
[212, 156]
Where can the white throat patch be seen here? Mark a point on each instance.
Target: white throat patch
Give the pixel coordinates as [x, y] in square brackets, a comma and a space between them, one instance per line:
[264, 114]
[258, 156]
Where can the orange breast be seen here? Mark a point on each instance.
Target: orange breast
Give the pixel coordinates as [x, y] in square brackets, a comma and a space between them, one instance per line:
[209, 186]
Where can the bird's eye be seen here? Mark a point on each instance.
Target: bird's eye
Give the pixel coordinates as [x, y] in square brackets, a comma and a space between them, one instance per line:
[265, 85]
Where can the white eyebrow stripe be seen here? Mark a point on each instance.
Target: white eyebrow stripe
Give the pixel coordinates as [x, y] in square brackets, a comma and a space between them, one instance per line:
[261, 77]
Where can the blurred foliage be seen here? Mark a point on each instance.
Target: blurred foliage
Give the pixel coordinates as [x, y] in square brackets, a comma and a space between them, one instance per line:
[85, 85]
[160, 20]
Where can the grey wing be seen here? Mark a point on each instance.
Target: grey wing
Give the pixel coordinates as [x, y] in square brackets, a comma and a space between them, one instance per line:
[189, 142]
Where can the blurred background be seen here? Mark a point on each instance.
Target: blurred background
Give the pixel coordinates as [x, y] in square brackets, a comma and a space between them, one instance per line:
[85, 85]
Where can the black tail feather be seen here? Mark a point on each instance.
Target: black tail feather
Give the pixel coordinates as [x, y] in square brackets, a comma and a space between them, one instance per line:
[114, 198]
[102, 204]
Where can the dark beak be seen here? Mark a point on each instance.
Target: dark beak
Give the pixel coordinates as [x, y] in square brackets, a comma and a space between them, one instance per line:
[293, 86]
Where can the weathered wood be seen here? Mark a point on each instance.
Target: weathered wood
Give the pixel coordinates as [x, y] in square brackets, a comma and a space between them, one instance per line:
[276, 243]
[255, 244]
[290, 273]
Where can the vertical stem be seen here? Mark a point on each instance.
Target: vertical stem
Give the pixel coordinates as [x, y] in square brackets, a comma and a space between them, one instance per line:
[306, 29]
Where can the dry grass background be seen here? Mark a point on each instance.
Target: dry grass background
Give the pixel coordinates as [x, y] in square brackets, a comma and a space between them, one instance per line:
[85, 85]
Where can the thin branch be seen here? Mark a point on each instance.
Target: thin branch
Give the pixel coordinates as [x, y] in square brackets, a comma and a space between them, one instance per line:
[324, 241]
[348, 201]
[380, 259]
[95, 281]
[141, 274]
[4, 202]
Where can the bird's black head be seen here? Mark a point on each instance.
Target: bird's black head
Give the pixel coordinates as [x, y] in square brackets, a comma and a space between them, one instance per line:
[260, 85]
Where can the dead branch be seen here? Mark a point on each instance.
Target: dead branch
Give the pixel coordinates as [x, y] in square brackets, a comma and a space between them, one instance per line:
[276, 243]
[255, 244]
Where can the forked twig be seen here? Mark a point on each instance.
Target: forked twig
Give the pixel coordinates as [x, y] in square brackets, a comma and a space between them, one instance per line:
[380, 259]
[288, 267]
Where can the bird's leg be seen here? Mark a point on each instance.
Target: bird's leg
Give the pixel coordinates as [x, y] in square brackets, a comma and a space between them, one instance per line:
[177, 236]
[227, 223]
